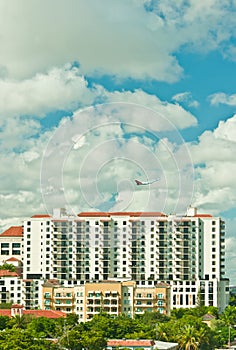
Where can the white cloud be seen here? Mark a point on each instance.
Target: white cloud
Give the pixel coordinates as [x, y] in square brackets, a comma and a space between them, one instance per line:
[65, 89]
[170, 114]
[230, 53]
[113, 37]
[186, 97]
[61, 88]
[92, 158]
[110, 155]
[214, 157]
[222, 98]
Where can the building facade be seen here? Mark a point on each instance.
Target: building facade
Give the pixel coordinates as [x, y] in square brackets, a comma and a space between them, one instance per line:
[186, 252]
[113, 297]
[11, 244]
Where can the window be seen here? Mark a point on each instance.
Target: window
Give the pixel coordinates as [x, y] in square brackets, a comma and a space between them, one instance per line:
[5, 245]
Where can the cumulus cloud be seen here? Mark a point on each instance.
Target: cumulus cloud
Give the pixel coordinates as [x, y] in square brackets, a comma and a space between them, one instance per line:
[108, 157]
[214, 158]
[127, 38]
[90, 157]
[61, 88]
[186, 97]
[171, 113]
[222, 98]
[64, 88]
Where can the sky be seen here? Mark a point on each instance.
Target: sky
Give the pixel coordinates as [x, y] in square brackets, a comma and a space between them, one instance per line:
[95, 94]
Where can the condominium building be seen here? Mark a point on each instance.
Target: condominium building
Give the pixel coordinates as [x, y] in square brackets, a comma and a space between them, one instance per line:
[11, 243]
[187, 252]
[112, 297]
[10, 287]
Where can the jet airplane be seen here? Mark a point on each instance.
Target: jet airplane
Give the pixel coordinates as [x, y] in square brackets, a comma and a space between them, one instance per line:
[143, 183]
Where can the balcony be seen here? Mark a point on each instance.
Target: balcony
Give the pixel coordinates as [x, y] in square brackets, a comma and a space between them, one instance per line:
[64, 304]
[64, 296]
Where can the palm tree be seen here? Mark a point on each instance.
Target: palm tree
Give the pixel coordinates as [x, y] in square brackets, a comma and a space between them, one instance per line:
[229, 318]
[188, 340]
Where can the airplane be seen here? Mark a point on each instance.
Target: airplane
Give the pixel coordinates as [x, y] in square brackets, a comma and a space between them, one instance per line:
[141, 183]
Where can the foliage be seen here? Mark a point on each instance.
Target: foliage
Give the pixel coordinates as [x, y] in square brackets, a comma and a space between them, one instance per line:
[4, 320]
[232, 300]
[20, 321]
[42, 327]
[184, 326]
[19, 340]
[8, 267]
[5, 305]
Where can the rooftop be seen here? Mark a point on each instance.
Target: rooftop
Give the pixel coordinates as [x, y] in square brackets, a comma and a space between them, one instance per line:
[7, 273]
[41, 216]
[13, 231]
[110, 214]
[35, 313]
[130, 342]
[12, 259]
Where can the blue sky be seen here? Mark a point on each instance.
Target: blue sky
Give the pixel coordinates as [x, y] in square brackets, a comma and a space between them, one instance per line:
[97, 93]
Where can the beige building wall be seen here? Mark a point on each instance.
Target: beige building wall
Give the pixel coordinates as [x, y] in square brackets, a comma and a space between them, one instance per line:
[105, 297]
[111, 297]
[58, 298]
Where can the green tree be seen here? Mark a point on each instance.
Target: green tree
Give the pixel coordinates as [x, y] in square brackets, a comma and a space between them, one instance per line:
[229, 319]
[18, 339]
[9, 267]
[5, 305]
[42, 327]
[4, 320]
[72, 319]
[93, 340]
[71, 340]
[19, 321]
[188, 338]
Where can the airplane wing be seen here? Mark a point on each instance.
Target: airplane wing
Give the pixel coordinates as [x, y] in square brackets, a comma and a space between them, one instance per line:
[145, 182]
[151, 182]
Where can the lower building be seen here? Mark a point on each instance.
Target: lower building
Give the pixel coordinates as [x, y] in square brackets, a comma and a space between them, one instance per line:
[18, 309]
[10, 287]
[112, 297]
[131, 344]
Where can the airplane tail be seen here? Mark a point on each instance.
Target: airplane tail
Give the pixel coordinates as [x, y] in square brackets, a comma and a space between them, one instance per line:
[138, 182]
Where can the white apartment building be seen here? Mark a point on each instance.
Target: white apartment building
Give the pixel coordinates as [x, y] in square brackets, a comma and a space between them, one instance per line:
[11, 243]
[10, 287]
[186, 252]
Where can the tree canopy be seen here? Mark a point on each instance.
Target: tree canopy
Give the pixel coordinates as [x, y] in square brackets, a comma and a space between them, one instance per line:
[184, 326]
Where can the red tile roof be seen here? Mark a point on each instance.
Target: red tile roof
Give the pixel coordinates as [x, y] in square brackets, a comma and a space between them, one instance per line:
[45, 313]
[130, 342]
[12, 259]
[13, 231]
[109, 214]
[203, 216]
[41, 216]
[7, 273]
[94, 213]
[162, 284]
[5, 312]
[36, 313]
